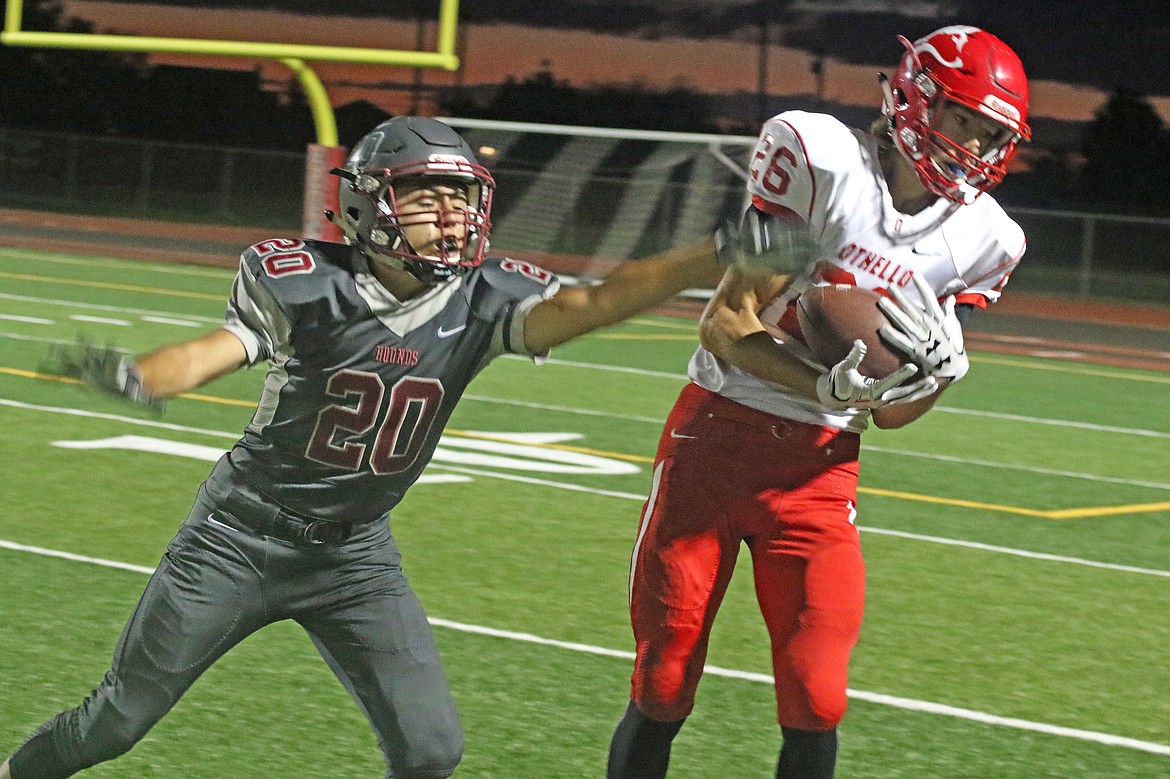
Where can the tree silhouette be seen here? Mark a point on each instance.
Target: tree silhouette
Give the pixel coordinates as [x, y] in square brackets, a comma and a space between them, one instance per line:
[1127, 159]
[65, 90]
[541, 97]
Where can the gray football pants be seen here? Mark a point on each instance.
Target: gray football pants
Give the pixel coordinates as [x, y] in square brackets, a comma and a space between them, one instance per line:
[217, 584]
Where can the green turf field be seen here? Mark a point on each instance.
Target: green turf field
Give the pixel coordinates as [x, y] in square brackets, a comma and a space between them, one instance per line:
[1017, 538]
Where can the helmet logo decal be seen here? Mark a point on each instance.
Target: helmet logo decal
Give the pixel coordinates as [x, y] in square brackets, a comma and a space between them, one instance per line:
[958, 34]
[456, 163]
[1003, 108]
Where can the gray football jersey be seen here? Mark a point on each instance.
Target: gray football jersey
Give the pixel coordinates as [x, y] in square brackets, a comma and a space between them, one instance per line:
[359, 384]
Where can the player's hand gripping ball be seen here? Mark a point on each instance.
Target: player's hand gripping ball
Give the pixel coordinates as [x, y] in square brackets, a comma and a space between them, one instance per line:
[842, 326]
[926, 332]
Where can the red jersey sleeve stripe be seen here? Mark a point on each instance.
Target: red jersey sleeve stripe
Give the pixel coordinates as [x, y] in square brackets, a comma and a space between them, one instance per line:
[1002, 270]
[971, 299]
[777, 210]
[811, 175]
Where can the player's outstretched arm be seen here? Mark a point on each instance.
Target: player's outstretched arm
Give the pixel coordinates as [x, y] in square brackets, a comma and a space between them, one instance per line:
[633, 286]
[166, 371]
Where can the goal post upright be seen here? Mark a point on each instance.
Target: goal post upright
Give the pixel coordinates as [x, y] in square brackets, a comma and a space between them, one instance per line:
[292, 56]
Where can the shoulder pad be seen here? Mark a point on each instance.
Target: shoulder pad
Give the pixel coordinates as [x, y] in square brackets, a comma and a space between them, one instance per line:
[295, 269]
[1009, 234]
[501, 281]
[279, 258]
[828, 143]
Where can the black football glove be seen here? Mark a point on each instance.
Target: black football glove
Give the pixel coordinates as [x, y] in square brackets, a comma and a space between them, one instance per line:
[102, 367]
[764, 242]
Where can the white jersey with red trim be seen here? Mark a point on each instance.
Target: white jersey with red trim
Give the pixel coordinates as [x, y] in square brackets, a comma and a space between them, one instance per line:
[813, 168]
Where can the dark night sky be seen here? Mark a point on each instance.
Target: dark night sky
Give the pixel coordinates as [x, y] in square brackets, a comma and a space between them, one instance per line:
[1075, 52]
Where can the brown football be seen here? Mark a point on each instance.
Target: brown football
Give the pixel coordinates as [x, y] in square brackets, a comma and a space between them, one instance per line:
[833, 317]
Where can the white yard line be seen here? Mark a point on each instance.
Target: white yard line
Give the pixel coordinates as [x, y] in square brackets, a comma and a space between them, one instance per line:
[28, 320]
[944, 409]
[100, 320]
[875, 530]
[116, 264]
[881, 531]
[880, 699]
[1056, 422]
[884, 450]
[946, 458]
[110, 309]
[564, 409]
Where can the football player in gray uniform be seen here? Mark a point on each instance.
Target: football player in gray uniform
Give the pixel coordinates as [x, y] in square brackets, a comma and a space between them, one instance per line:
[369, 345]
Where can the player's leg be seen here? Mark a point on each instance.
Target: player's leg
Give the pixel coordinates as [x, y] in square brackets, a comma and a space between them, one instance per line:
[810, 582]
[373, 633]
[682, 562]
[197, 605]
[807, 754]
[640, 747]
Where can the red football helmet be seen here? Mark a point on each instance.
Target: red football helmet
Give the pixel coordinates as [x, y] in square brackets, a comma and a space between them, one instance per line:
[970, 67]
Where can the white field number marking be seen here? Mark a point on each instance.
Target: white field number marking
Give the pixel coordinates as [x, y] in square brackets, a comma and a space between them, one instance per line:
[518, 453]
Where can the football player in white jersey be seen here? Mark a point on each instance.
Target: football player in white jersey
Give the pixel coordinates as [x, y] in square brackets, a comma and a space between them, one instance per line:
[755, 450]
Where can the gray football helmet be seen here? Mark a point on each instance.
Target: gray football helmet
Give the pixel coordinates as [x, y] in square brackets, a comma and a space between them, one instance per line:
[412, 147]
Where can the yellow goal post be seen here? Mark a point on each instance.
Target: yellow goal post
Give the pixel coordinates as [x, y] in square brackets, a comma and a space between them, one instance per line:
[326, 151]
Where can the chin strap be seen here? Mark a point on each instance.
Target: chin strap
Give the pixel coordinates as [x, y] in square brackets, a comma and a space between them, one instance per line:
[427, 272]
[887, 97]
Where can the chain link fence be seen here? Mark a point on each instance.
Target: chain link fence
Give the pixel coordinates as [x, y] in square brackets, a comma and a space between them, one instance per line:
[150, 179]
[612, 198]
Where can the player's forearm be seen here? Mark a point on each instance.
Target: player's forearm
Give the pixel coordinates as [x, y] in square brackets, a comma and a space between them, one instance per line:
[176, 368]
[639, 284]
[731, 330]
[633, 287]
[757, 353]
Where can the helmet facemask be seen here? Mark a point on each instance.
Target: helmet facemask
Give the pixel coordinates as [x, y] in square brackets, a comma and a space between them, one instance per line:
[447, 215]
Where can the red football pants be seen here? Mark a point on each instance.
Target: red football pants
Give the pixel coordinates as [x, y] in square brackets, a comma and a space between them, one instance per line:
[727, 474]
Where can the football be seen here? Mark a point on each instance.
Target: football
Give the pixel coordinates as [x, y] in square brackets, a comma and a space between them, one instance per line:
[833, 317]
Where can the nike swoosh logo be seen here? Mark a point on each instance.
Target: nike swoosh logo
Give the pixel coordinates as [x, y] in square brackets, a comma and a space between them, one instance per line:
[448, 333]
[211, 518]
[675, 434]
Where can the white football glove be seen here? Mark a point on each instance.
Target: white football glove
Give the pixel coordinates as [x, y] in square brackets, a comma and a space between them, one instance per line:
[929, 334]
[846, 387]
[765, 242]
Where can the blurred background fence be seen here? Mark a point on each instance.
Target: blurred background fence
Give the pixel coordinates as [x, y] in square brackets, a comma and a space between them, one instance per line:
[586, 193]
